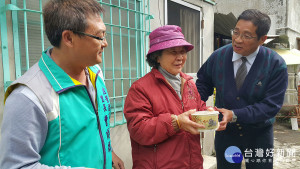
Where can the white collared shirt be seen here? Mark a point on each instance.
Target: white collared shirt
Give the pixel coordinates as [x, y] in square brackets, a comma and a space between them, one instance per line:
[237, 61]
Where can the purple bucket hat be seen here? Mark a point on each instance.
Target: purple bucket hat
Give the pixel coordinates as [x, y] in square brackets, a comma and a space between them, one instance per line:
[167, 36]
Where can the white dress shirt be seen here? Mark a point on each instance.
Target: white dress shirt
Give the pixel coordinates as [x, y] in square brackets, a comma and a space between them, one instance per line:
[237, 61]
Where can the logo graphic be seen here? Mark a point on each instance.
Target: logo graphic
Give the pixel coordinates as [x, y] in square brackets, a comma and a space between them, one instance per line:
[233, 154]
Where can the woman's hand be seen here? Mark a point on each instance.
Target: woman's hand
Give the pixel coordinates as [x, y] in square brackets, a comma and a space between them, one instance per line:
[117, 162]
[187, 124]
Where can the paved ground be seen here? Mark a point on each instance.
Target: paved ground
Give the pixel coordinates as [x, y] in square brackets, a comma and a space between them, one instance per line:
[287, 147]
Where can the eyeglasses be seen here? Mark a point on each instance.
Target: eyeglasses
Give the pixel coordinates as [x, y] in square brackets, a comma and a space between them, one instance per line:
[236, 34]
[92, 36]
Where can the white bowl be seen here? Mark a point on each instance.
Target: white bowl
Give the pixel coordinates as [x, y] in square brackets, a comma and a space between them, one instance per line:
[207, 118]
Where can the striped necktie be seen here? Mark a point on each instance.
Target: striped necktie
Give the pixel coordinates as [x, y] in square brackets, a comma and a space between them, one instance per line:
[241, 73]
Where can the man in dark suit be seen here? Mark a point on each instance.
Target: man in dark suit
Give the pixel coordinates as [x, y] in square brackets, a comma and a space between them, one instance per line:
[250, 82]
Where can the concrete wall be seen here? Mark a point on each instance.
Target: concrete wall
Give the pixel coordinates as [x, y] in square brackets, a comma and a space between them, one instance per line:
[120, 140]
[284, 14]
[293, 22]
[270, 7]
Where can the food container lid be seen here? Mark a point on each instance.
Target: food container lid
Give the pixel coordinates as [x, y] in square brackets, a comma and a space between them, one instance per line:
[203, 113]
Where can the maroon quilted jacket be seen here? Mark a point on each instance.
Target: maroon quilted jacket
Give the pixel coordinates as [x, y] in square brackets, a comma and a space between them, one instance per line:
[148, 108]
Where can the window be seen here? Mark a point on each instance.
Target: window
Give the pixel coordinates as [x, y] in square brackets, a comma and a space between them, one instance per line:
[128, 26]
[187, 16]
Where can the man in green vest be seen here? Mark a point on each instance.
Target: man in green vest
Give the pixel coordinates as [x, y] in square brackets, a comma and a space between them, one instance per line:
[57, 114]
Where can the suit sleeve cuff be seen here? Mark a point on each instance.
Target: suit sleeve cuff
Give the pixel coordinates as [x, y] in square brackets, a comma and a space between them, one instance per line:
[234, 117]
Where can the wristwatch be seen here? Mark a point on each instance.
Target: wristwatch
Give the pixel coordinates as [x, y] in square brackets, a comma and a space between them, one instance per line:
[234, 117]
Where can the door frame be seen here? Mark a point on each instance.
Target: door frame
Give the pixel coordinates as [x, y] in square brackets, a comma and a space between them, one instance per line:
[197, 8]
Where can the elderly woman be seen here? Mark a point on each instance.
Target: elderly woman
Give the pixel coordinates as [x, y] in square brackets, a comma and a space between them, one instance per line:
[158, 106]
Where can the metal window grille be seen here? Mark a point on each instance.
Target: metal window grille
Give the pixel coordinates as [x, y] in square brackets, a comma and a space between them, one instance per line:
[128, 27]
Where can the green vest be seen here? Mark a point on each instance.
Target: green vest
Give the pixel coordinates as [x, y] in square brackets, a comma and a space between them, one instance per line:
[78, 131]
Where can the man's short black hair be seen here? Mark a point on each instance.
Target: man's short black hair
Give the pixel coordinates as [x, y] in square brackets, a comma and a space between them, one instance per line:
[60, 15]
[261, 20]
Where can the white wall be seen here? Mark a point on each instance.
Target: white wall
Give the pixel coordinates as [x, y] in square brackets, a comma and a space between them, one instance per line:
[293, 22]
[157, 8]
